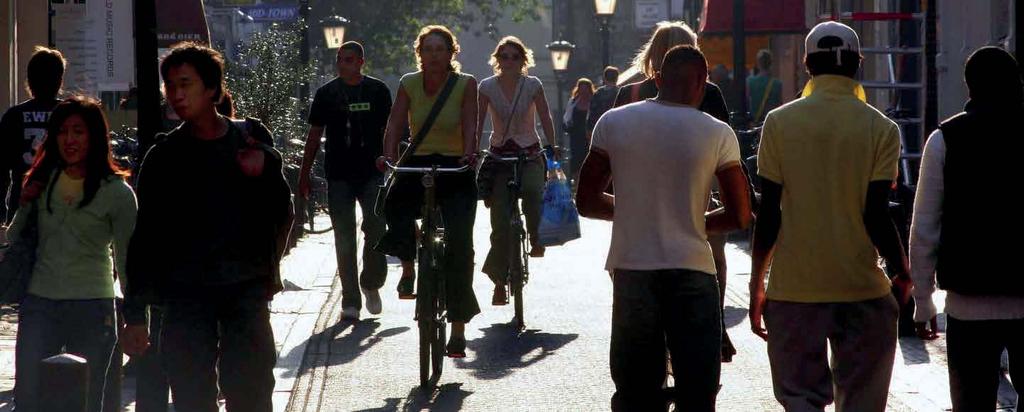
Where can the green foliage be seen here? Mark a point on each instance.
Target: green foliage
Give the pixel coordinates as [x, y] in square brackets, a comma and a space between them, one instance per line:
[266, 77]
[387, 28]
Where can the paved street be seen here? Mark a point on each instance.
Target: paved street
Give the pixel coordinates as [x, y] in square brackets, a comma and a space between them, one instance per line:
[559, 363]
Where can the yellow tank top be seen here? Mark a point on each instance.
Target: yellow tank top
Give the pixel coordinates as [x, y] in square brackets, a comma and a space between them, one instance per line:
[445, 136]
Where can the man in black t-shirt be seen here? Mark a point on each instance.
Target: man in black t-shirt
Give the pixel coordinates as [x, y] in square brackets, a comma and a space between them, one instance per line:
[23, 126]
[353, 109]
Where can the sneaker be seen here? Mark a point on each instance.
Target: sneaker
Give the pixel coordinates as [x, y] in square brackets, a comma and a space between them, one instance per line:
[373, 304]
[500, 297]
[405, 287]
[350, 313]
[456, 347]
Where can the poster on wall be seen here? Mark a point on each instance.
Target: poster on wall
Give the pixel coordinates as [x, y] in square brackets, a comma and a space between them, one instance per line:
[96, 38]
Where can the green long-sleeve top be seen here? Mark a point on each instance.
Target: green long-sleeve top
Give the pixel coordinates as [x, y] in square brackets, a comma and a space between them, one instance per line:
[79, 248]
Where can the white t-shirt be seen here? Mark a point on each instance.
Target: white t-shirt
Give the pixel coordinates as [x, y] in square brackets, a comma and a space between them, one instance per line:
[663, 159]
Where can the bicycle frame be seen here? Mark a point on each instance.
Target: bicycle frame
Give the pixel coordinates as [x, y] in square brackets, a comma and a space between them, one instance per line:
[431, 300]
[518, 272]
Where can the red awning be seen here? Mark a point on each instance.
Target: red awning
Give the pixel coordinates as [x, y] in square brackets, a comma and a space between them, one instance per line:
[180, 20]
[760, 16]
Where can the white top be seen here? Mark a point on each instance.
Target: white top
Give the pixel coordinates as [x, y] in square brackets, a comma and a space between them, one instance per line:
[523, 127]
[663, 160]
[924, 249]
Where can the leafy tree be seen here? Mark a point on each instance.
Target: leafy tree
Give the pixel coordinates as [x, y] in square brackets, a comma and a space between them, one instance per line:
[389, 27]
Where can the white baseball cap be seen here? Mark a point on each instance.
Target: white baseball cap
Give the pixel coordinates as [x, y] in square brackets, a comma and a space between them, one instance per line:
[832, 36]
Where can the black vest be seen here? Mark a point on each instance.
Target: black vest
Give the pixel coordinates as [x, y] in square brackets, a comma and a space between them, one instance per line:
[981, 224]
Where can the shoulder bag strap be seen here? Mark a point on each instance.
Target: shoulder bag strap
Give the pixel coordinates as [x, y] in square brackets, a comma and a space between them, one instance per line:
[512, 112]
[431, 117]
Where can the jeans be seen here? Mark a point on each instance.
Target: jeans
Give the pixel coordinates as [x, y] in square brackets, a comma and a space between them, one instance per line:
[342, 198]
[532, 194]
[48, 327]
[456, 196]
[653, 310]
[227, 342]
[974, 348]
[862, 337]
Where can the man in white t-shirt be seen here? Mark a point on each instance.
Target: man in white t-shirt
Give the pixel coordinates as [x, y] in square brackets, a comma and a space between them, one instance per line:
[662, 155]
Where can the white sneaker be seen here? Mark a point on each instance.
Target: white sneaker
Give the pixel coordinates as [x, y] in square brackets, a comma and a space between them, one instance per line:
[372, 300]
[349, 313]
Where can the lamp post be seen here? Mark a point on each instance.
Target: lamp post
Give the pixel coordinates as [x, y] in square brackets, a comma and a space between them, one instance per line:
[604, 10]
[561, 52]
[334, 31]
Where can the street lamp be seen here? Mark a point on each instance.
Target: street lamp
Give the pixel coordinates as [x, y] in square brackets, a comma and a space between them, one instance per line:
[561, 52]
[334, 31]
[605, 9]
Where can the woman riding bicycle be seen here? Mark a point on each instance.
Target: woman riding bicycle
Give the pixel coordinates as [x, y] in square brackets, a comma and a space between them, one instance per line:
[450, 142]
[514, 100]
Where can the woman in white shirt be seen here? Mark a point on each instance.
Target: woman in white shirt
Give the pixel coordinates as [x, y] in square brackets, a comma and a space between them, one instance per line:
[514, 100]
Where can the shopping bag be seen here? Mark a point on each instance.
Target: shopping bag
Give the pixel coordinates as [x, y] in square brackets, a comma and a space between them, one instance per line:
[559, 220]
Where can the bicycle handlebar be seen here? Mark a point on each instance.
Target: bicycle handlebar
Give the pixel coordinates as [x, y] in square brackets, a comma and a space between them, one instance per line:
[439, 170]
[511, 159]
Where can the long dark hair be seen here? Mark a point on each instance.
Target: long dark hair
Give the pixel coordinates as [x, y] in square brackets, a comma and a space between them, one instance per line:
[99, 160]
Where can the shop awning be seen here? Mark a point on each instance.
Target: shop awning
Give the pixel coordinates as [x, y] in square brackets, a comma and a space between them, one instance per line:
[760, 16]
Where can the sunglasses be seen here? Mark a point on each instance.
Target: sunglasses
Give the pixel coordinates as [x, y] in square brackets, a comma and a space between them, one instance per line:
[509, 57]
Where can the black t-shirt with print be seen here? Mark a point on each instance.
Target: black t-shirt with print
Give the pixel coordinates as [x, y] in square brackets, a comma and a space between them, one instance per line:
[22, 129]
[354, 118]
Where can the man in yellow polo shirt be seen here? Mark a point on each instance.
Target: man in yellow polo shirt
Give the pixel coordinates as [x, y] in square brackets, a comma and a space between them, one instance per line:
[828, 162]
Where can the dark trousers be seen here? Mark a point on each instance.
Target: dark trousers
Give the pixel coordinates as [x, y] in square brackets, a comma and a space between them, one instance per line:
[651, 310]
[231, 338]
[862, 337]
[974, 348]
[151, 387]
[342, 198]
[47, 327]
[456, 196]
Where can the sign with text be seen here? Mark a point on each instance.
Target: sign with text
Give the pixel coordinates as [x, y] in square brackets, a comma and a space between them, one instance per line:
[272, 12]
[650, 12]
[96, 38]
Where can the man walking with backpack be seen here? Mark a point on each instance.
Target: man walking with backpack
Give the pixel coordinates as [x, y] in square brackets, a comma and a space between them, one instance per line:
[353, 110]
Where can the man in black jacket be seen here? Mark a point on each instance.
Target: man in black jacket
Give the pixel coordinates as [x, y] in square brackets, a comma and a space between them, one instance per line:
[214, 212]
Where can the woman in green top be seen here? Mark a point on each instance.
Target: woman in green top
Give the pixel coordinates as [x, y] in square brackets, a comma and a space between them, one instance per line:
[450, 142]
[85, 213]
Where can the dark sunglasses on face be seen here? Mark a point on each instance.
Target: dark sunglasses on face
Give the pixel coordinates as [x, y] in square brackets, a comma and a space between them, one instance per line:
[509, 57]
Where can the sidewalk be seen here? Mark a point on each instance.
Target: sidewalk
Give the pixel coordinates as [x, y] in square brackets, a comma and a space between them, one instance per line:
[309, 276]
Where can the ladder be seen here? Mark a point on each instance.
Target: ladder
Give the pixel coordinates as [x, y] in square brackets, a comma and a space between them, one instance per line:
[910, 119]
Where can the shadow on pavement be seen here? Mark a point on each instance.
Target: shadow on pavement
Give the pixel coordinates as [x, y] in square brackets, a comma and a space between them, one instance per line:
[914, 351]
[733, 316]
[447, 397]
[503, 349]
[346, 347]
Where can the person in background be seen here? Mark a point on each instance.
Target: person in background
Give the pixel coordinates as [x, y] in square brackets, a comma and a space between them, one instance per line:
[575, 122]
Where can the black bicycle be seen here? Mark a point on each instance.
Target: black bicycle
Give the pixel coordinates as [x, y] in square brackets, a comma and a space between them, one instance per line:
[518, 255]
[431, 305]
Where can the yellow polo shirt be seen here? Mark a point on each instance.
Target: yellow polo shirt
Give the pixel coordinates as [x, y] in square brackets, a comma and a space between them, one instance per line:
[824, 149]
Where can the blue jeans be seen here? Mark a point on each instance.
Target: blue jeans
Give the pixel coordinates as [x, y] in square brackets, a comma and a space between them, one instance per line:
[48, 327]
[342, 198]
[653, 310]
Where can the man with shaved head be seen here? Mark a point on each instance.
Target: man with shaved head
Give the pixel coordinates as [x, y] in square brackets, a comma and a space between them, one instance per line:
[663, 271]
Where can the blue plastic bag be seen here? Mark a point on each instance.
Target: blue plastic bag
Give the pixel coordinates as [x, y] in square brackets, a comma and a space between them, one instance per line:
[559, 220]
